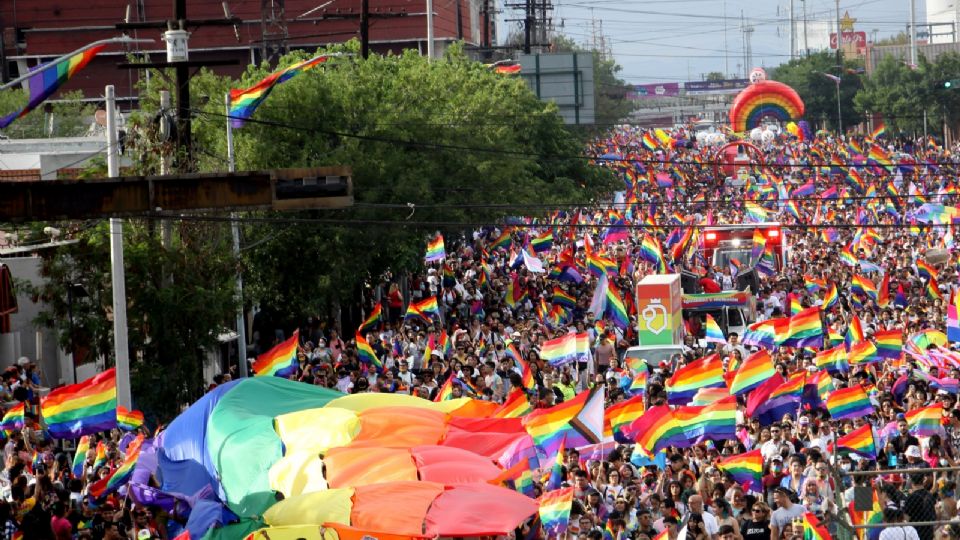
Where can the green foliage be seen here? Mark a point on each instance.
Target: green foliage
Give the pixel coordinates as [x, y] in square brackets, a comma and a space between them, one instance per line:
[901, 94]
[438, 133]
[819, 93]
[178, 302]
[70, 117]
[715, 76]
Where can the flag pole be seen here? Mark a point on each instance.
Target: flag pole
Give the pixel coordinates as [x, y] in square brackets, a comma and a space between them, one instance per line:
[235, 229]
[49, 65]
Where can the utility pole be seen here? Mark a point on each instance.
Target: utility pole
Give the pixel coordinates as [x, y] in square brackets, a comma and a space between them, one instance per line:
[913, 33]
[486, 23]
[527, 26]
[430, 30]
[118, 279]
[176, 36]
[273, 30]
[365, 28]
[839, 43]
[806, 46]
[793, 36]
[235, 231]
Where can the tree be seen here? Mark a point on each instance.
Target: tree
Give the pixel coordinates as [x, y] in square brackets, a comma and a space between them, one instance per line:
[67, 117]
[715, 76]
[819, 92]
[441, 136]
[895, 92]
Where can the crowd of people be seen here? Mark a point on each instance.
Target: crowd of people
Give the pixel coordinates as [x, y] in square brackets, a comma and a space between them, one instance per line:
[493, 305]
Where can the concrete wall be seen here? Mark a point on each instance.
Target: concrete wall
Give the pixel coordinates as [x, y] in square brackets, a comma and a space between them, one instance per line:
[25, 336]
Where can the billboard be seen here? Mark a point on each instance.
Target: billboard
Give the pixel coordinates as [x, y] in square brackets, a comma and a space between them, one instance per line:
[564, 78]
[850, 39]
[655, 90]
[725, 86]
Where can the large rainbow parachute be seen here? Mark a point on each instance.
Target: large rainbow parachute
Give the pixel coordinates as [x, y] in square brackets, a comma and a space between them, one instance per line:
[764, 99]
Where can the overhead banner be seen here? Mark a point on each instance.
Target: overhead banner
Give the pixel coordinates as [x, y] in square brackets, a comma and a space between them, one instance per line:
[725, 86]
[655, 90]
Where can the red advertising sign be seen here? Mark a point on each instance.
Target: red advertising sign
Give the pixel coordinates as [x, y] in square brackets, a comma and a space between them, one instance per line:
[858, 39]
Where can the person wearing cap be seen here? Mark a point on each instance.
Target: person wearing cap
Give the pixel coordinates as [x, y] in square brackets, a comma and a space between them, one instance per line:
[786, 511]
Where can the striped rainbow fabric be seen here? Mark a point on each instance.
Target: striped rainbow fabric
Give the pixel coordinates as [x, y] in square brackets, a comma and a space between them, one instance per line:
[45, 84]
[82, 408]
[244, 101]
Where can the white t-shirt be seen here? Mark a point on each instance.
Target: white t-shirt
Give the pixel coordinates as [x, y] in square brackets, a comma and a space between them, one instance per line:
[899, 533]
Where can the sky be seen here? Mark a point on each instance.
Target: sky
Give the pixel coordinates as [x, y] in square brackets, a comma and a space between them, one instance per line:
[682, 40]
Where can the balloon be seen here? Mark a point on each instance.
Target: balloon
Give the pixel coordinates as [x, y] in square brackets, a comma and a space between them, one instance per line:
[756, 134]
[805, 128]
[765, 99]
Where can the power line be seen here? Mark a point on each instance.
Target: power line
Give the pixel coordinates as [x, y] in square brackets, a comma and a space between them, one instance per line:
[501, 151]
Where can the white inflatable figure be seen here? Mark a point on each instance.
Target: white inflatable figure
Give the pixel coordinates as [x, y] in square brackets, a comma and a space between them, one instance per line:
[767, 136]
[757, 75]
[756, 134]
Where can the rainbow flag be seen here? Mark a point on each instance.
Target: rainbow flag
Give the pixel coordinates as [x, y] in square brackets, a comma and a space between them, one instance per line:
[713, 332]
[863, 286]
[684, 427]
[562, 298]
[855, 333]
[281, 360]
[127, 419]
[423, 310]
[366, 354]
[616, 309]
[804, 330]
[80, 456]
[859, 441]
[622, 414]
[579, 421]
[706, 396]
[515, 406]
[746, 469]
[847, 257]
[703, 373]
[883, 293]
[926, 270]
[14, 419]
[863, 352]
[371, 321]
[792, 387]
[849, 402]
[45, 84]
[446, 390]
[555, 511]
[813, 530]
[925, 421]
[755, 213]
[556, 470]
[123, 473]
[82, 408]
[243, 102]
[833, 360]
[953, 319]
[516, 293]
[101, 457]
[757, 368]
[524, 483]
[831, 298]
[878, 131]
[561, 350]
[933, 289]
[502, 241]
[435, 250]
[764, 333]
[542, 243]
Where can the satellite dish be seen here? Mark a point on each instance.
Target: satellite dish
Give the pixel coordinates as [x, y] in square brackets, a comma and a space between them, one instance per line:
[937, 256]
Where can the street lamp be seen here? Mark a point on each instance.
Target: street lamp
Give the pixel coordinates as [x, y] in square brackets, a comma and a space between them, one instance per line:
[836, 80]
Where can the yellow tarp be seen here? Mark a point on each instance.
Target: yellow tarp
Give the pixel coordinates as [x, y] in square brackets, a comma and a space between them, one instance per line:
[298, 473]
[304, 532]
[332, 505]
[362, 402]
[317, 430]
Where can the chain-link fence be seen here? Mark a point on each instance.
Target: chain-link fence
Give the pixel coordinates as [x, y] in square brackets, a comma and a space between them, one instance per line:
[918, 496]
